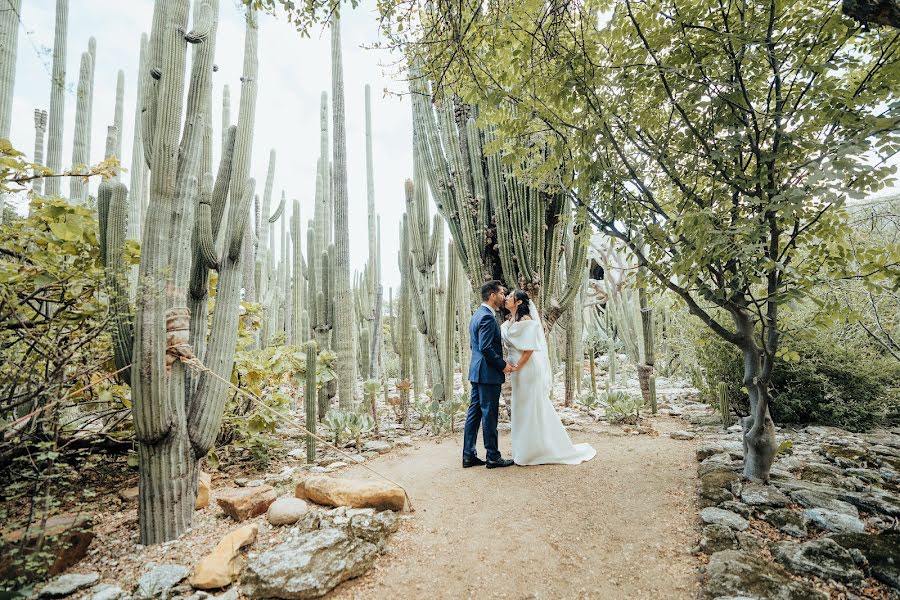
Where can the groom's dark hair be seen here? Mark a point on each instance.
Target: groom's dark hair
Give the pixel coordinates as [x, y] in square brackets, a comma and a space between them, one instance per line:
[489, 288]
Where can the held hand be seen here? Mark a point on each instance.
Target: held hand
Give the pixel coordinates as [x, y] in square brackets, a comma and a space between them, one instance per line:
[510, 368]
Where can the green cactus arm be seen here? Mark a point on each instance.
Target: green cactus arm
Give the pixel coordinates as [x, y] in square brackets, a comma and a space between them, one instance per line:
[56, 115]
[278, 211]
[77, 186]
[9, 40]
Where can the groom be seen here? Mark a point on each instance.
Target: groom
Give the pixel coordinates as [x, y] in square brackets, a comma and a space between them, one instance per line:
[487, 373]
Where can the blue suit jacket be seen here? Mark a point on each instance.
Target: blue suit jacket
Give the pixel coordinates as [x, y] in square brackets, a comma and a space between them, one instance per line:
[487, 349]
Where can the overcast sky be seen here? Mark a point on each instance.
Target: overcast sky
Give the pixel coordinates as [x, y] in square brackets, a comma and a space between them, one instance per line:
[293, 71]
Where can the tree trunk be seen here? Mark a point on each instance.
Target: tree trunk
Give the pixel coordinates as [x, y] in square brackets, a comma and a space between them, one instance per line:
[759, 429]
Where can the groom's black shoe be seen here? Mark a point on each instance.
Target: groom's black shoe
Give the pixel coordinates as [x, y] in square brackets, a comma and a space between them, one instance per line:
[496, 464]
[473, 461]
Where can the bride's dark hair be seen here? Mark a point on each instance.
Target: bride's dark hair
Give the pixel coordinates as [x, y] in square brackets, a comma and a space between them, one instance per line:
[522, 310]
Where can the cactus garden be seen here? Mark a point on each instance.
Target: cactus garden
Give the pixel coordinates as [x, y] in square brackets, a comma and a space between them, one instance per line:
[241, 243]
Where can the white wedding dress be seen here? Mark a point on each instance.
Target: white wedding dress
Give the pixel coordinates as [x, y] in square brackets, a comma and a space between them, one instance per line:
[538, 435]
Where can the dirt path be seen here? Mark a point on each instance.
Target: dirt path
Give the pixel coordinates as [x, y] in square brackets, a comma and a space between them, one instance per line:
[619, 526]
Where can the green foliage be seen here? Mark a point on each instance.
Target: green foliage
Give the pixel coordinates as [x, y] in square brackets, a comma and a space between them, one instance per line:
[359, 423]
[588, 401]
[336, 421]
[834, 376]
[622, 407]
[440, 417]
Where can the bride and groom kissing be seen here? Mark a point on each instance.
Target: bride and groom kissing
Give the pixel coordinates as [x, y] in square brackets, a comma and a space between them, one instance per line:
[538, 435]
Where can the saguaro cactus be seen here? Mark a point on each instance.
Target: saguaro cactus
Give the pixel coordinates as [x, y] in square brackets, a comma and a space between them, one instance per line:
[9, 41]
[40, 130]
[177, 418]
[119, 111]
[77, 186]
[297, 329]
[343, 323]
[138, 166]
[57, 96]
[309, 401]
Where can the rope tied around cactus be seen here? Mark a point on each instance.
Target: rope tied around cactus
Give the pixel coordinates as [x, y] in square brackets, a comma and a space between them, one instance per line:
[178, 330]
[194, 363]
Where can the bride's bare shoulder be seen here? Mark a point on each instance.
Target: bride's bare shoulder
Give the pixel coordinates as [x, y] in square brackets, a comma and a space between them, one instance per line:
[526, 318]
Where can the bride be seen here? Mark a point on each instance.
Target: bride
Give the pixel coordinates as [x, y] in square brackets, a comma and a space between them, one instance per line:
[538, 436]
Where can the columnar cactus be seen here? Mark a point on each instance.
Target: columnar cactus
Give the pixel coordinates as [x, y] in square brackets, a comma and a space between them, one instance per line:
[503, 228]
[40, 131]
[226, 112]
[78, 188]
[177, 419]
[645, 370]
[57, 97]
[374, 249]
[9, 41]
[343, 322]
[298, 331]
[309, 401]
[138, 166]
[267, 235]
[119, 111]
[92, 51]
[405, 326]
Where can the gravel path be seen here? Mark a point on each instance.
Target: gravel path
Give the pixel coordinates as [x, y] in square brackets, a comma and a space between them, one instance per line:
[619, 526]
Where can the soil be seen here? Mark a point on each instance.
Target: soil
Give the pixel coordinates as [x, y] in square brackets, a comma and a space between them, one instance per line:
[622, 525]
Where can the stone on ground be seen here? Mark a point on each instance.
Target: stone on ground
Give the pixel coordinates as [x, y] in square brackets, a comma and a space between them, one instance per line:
[204, 485]
[221, 567]
[756, 494]
[733, 573]
[246, 503]
[157, 581]
[787, 521]
[107, 591]
[287, 511]
[717, 486]
[882, 551]
[129, 494]
[355, 493]
[823, 558]
[833, 521]
[66, 539]
[717, 516]
[682, 435]
[308, 565]
[379, 446]
[68, 584]
[716, 538]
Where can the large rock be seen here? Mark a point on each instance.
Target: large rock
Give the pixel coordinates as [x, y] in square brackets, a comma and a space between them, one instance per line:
[882, 552]
[716, 538]
[820, 473]
[366, 523]
[740, 574]
[221, 567]
[787, 521]
[755, 494]
[717, 486]
[157, 581]
[308, 565]
[287, 511]
[717, 516]
[836, 522]
[204, 485]
[875, 500]
[355, 493]
[707, 449]
[68, 584]
[63, 542]
[823, 499]
[823, 558]
[246, 503]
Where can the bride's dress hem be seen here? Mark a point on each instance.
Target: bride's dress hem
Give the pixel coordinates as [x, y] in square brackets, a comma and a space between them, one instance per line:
[587, 452]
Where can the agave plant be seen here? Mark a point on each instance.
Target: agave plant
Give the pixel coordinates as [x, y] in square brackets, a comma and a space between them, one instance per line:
[336, 421]
[358, 423]
[588, 401]
[623, 407]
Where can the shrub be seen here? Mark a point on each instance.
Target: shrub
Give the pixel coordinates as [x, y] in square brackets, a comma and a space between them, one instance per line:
[827, 377]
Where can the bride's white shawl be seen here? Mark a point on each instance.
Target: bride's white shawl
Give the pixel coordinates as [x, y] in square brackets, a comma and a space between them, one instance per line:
[524, 335]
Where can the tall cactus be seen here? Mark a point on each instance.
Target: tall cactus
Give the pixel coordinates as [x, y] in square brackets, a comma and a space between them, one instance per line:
[374, 249]
[9, 42]
[503, 228]
[309, 401]
[406, 348]
[298, 331]
[40, 131]
[92, 51]
[177, 419]
[119, 111]
[267, 235]
[77, 186]
[138, 166]
[226, 112]
[57, 97]
[343, 323]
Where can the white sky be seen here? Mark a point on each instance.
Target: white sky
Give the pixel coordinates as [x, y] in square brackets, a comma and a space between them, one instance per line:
[293, 71]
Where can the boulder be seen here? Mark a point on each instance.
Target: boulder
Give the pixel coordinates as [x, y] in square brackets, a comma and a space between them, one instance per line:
[717, 487]
[874, 500]
[68, 584]
[287, 511]
[204, 485]
[108, 591]
[787, 521]
[682, 435]
[836, 522]
[379, 446]
[716, 538]
[355, 493]
[882, 551]
[63, 542]
[157, 581]
[756, 494]
[707, 449]
[820, 473]
[734, 573]
[246, 503]
[821, 499]
[823, 558]
[221, 567]
[308, 565]
[717, 516]
[737, 507]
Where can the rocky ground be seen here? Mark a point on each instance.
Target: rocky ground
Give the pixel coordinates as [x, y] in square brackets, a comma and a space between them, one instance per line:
[826, 526]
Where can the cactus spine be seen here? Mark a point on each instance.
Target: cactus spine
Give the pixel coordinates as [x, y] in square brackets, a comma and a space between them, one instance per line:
[40, 131]
[57, 97]
[309, 401]
[9, 41]
[77, 186]
[343, 322]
